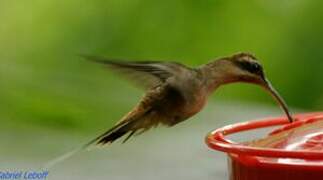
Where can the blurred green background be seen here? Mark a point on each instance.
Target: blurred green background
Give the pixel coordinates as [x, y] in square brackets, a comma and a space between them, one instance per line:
[43, 83]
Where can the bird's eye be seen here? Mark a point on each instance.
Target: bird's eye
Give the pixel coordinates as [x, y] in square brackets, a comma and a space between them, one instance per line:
[252, 67]
[255, 67]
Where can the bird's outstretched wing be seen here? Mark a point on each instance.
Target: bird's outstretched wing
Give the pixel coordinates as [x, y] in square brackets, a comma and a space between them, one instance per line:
[146, 74]
[155, 107]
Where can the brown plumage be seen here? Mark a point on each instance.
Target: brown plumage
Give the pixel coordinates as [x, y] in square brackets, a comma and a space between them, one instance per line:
[175, 92]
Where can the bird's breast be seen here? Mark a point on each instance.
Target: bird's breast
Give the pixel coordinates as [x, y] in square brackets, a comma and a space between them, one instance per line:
[194, 106]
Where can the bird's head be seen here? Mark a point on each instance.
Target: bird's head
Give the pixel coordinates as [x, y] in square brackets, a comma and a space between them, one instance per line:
[244, 67]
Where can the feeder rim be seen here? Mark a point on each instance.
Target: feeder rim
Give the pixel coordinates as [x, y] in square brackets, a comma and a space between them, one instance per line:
[216, 139]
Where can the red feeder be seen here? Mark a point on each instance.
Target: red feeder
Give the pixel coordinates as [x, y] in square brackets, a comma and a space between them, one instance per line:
[292, 152]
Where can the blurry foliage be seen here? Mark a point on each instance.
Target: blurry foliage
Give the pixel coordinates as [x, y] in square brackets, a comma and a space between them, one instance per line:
[43, 82]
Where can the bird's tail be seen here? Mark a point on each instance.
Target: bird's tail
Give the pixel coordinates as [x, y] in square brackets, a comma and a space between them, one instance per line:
[106, 138]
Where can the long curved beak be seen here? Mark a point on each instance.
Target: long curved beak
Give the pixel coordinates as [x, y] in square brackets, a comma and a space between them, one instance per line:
[268, 86]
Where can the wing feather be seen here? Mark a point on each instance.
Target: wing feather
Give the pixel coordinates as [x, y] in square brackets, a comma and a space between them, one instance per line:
[146, 74]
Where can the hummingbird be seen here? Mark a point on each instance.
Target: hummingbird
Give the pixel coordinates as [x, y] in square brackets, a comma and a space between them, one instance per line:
[175, 92]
